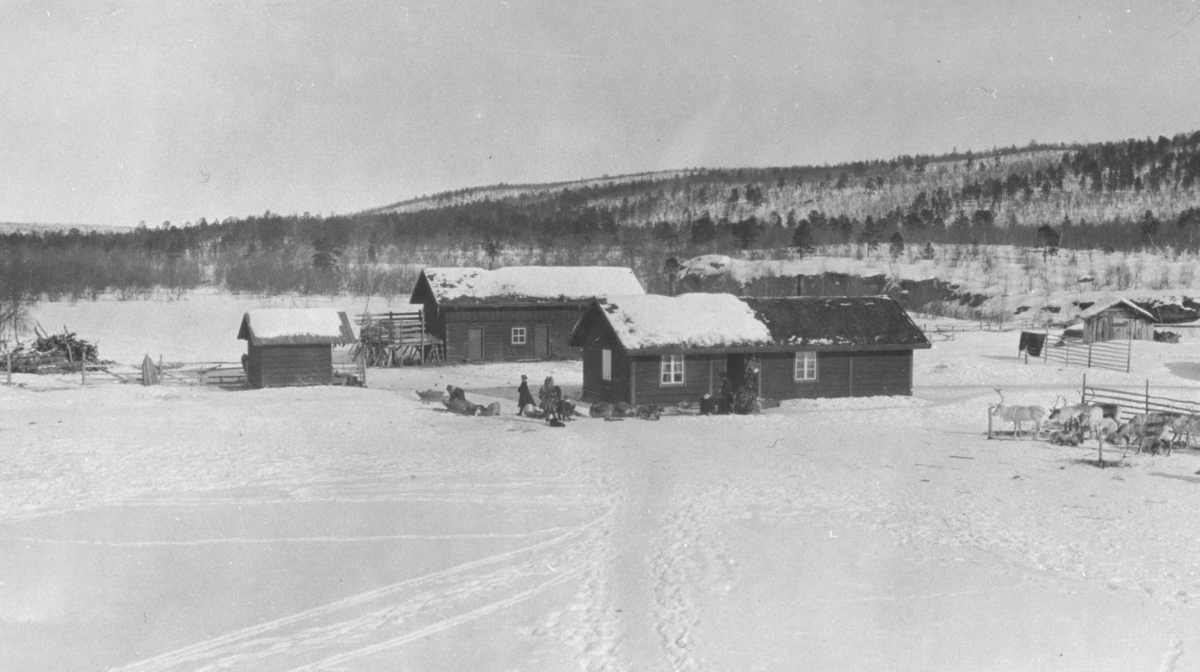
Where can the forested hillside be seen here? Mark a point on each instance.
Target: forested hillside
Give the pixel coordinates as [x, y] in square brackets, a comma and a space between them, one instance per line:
[1120, 195]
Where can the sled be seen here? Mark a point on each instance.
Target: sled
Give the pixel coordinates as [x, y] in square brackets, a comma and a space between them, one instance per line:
[430, 395]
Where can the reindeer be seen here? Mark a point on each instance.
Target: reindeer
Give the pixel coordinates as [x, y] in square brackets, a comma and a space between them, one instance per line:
[1148, 430]
[1018, 415]
[1084, 416]
[1069, 416]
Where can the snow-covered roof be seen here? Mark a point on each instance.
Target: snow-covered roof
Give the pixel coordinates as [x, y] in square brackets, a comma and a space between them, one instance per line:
[296, 326]
[699, 320]
[516, 284]
[1101, 306]
[690, 321]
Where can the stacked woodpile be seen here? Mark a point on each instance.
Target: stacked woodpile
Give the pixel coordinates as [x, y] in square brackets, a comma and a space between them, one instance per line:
[52, 353]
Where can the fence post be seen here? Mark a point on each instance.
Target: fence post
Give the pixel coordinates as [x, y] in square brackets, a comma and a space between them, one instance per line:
[990, 422]
[1128, 354]
[1089, 355]
[1083, 390]
[1147, 395]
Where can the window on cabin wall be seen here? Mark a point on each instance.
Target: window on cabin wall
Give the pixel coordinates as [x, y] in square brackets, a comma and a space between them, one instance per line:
[805, 367]
[605, 364]
[671, 370]
[518, 336]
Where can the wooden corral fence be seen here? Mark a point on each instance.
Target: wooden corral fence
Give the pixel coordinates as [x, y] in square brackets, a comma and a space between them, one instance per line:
[393, 339]
[1111, 355]
[222, 374]
[346, 371]
[1134, 403]
[948, 332]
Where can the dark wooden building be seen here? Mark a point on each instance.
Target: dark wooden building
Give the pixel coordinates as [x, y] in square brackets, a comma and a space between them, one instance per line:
[658, 349]
[1116, 319]
[515, 313]
[287, 346]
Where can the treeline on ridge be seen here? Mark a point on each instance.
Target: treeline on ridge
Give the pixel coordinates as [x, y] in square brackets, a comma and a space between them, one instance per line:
[1122, 195]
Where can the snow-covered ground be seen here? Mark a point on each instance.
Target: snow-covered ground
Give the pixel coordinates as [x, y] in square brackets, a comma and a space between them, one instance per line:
[183, 528]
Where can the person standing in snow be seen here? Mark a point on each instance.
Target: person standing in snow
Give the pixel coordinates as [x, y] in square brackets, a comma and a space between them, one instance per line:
[549, 397]
[727, 394]
[524, 396]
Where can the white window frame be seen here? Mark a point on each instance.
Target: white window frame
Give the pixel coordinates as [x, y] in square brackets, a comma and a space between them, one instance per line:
[518, 336]
[804, 367]
[605, 364]
[671, 370]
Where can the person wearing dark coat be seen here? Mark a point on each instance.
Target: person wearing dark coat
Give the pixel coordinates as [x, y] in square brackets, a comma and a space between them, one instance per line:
[456, 393]
[524, 396]
[727, 394]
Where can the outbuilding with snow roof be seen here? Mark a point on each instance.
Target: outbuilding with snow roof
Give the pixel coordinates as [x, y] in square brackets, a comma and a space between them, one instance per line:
[664, 350]
[513, 313]
[1116, 319]
[292, 346]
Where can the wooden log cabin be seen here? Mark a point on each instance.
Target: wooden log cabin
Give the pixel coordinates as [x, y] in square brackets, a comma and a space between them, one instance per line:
[1116, 319]
[515, 313]
[292, 346]
[664, 350]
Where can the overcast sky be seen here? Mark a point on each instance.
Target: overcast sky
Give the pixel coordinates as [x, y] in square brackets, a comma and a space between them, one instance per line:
[121, 112]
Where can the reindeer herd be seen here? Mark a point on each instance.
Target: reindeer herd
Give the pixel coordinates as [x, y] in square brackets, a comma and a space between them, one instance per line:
[1073, 423]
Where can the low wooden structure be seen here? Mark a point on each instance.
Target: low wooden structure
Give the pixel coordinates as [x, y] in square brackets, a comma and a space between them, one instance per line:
[515, 313]
[1116, 319]
[664, 350]
[288, 347]
[393, 338]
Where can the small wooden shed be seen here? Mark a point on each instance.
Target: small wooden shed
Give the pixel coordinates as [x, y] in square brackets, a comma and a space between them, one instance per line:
[1116, 319]
[292, 346]
[664, 350]
[513, 313]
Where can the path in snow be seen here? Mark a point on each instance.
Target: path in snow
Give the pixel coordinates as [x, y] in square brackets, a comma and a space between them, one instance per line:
[331, 528]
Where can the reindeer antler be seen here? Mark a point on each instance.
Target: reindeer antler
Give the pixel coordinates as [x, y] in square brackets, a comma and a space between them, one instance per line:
[999, 393]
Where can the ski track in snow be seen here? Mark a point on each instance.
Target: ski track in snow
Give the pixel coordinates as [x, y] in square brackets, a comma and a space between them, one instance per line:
[387, 617]
[930, 481]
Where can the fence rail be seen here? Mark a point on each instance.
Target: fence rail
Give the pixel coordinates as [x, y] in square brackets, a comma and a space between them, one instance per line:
[947, 332]
[1111, 355]
[1134, 403]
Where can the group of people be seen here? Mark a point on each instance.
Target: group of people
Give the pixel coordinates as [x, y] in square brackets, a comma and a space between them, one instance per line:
[551, 403]
[732, 399]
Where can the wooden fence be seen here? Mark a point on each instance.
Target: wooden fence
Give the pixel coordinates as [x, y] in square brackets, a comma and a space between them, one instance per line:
[1134, 403]
[948, 332]
[1111, 355]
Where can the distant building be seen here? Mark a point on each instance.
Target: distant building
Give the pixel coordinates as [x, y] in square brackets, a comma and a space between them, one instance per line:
[515, 313]
[291, 346]
[658, 349]
[1116, 319]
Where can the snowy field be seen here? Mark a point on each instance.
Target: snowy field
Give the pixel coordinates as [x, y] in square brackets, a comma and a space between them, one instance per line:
[181, 528]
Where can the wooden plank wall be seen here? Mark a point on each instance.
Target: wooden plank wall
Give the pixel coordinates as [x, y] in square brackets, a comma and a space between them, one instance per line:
[595, 388]
[290, 365]
[701, 375]
[497, 327]
[884, 372]
[777, 374]
[1136, 326]
[839, 374]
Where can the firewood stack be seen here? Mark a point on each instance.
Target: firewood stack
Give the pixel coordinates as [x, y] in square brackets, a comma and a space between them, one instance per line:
[52, 353]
